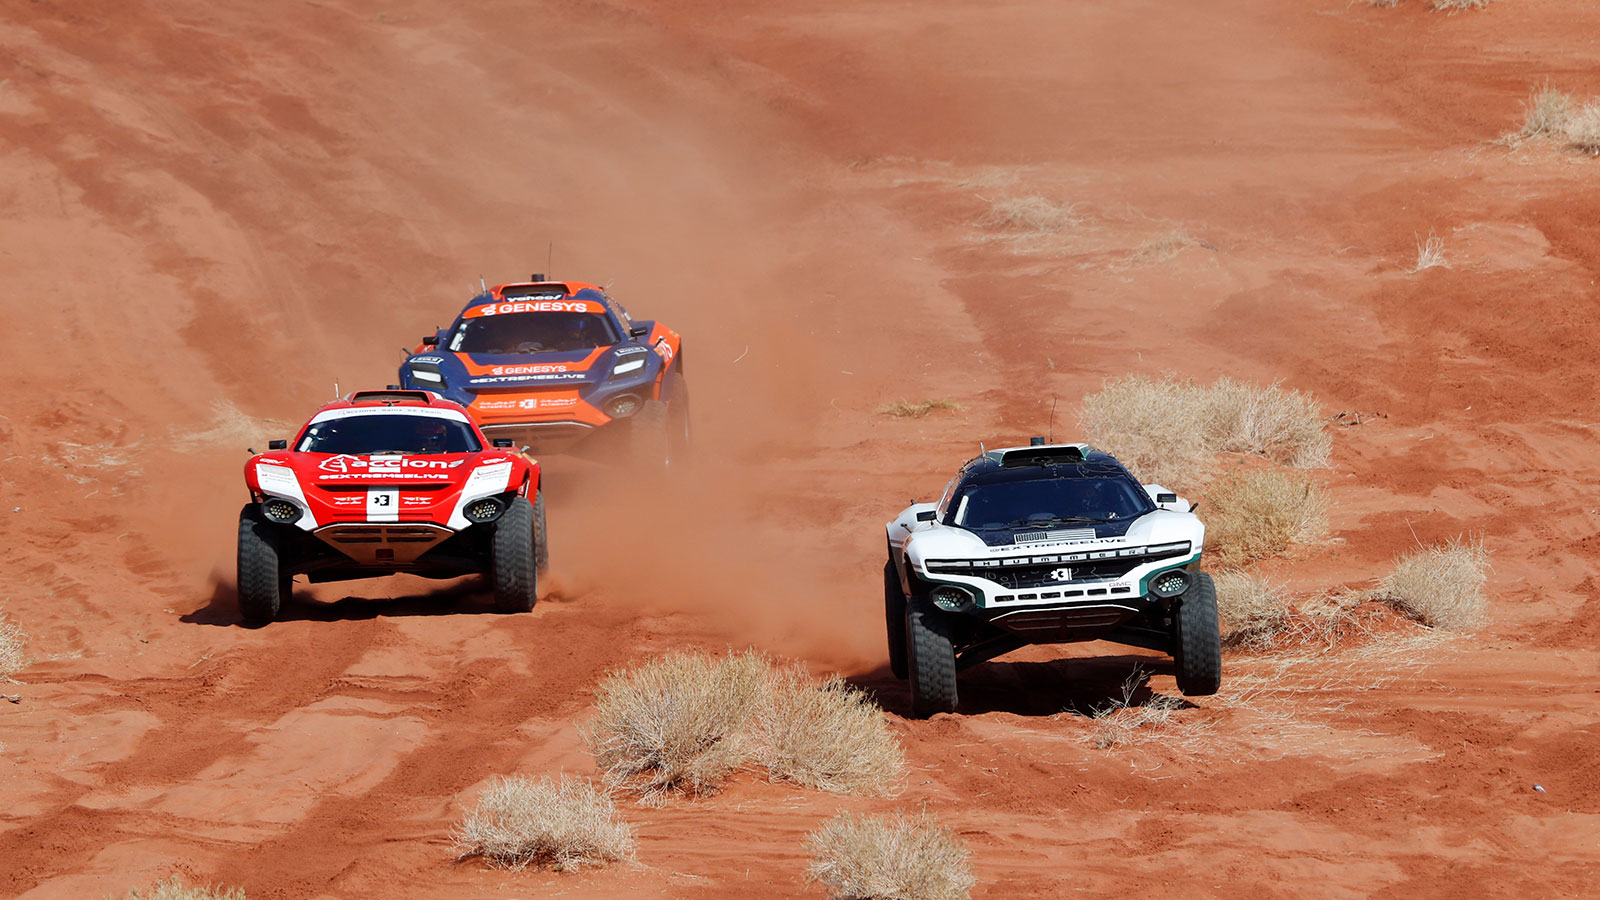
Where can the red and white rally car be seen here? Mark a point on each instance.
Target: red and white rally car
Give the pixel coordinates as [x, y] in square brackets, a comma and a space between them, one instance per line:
[384, 482]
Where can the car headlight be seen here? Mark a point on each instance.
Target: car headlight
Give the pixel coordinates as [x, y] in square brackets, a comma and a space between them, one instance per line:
[280, 510]
[1170, 583]
[626, 368]
[427, 374]
[622, 406]
[950, 598]
[1176, 548]
[485, 510]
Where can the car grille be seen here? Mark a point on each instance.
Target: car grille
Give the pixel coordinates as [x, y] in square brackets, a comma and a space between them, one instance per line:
[1043, 576]
[1101, 564]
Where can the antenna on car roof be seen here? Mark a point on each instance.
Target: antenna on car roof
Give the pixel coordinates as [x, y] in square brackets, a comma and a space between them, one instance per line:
[549, 257]
[336, 389]
[1052, 420]
[482, 288]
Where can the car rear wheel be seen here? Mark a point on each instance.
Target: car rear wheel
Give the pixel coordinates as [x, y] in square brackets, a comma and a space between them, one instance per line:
[261, 580]
[1197, 639]
[931, 659]
[516, 574]
[541, 545]
[894, 619]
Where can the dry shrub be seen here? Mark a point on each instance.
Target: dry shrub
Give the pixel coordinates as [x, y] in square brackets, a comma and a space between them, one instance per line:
[679, 722]
[562, 823]
[12, 640]
[1430, 254]
[902, 409]
[174, 889]
[1440, 586]
[1164, 429]
[1254, 611]
[1545, 114]
[896, 857]
[1383, 4]
[1583, 129]
[1123, 721]
[1255, 514]
[827, 735]
[686, 721]
[1281, 425]
[1030, 216]
[1155, 427]
[1455, 6]
[1161, 249]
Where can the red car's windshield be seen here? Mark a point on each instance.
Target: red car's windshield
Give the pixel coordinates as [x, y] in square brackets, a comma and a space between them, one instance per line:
[533, 332]
[362, 435]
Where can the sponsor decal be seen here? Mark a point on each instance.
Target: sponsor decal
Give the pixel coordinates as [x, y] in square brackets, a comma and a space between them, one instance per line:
[553, 376]
[665, 349]
[631, 350]
[435, 360]
[522, 306]
[1062, 574]
[383, 465]
[528, 370]
[349, 500]
[416, 501]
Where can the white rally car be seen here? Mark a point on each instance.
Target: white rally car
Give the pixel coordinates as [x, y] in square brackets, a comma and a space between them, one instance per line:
[1045, 544]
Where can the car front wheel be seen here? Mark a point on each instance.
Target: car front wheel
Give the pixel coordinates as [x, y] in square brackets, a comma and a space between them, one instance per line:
[516, 574]
[262, 584]
[930, 659]
[1197, 639]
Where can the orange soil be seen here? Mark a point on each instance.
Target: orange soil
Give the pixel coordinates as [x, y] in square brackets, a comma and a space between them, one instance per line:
[242, 204]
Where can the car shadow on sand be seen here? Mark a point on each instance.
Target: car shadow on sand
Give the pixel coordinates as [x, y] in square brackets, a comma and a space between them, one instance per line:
[464, 596]
[1074, 686]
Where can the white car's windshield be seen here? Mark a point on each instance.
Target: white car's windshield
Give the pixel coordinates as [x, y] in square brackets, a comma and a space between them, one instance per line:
[533, 332]
[1050, 501]
[361, 435]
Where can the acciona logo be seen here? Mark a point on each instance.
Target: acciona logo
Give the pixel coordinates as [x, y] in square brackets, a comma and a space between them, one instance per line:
[383, 465]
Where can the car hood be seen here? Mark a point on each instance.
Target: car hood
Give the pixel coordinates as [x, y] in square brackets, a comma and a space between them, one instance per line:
[1159, 526]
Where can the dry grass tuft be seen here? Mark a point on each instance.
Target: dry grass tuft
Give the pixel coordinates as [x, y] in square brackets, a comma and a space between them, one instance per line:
[902, 409]
[896, 857]
[1455, 6]
[1544, 114]
[563, 824]
[1165, 429]
[829, 735]
[1440, 586]
[678, 723]
[12, 641]
[685, 722]
[1430, 254]
[1122, 721]
[1256, 514]
[1583, 129]
[1283, 426]
[174, 889]
[1162, 249]
[1255, 612]
[1383, 4]
[1031, 216]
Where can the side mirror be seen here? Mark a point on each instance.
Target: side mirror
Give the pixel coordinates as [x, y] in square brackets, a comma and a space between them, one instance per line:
[431, 340]
[927, 515]
[502, 443]
[277, 445]
[638, 331]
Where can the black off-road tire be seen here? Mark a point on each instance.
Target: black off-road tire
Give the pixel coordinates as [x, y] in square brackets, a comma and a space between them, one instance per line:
[261, 580]
[1197, 639]
[894, 619]
[680, 432]
[650, 443]
[515, 574]
[541, 539]
[930, 659]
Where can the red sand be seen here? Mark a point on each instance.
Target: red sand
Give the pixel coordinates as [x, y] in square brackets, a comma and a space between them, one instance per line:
[246, 203]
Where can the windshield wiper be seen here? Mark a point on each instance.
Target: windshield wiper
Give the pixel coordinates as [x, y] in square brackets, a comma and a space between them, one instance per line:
[1059, 520]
